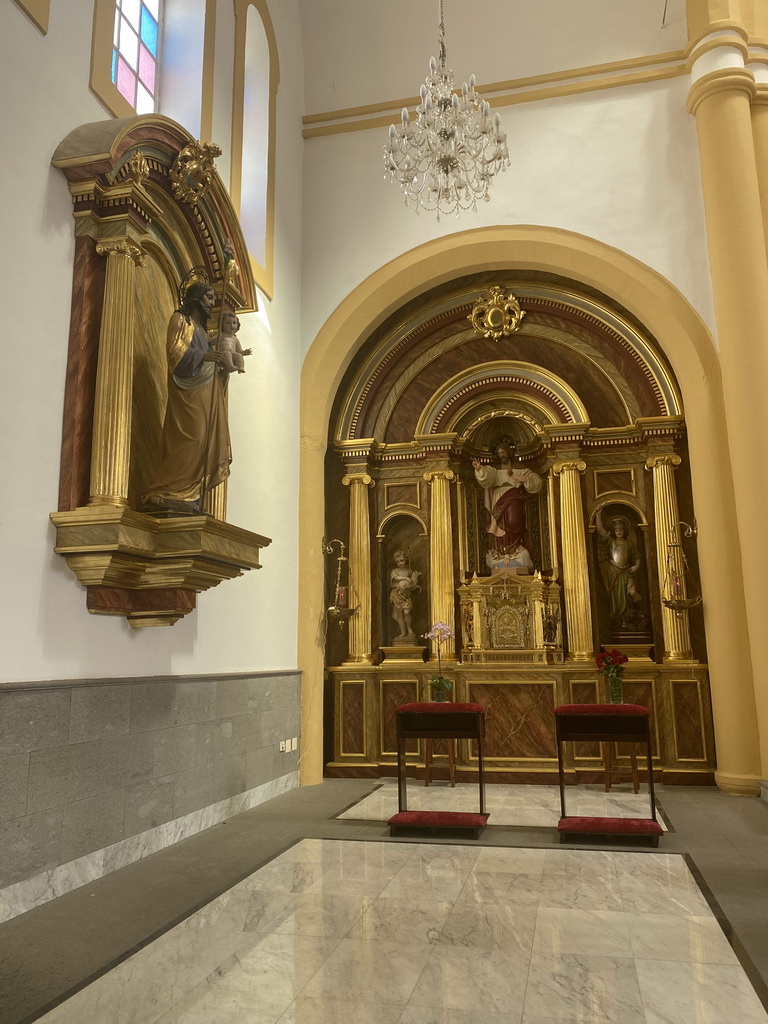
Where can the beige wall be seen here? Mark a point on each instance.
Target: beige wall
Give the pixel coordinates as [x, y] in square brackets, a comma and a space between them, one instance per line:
[244, 625]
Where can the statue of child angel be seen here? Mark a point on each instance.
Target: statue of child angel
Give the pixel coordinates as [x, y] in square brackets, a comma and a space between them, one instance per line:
[403, 582]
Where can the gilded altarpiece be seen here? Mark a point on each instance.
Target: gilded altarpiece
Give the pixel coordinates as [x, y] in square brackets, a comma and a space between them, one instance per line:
[587, 409]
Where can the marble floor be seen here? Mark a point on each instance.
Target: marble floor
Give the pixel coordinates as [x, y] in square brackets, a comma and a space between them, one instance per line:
[379, 933]
[532, 806]
[290, 913]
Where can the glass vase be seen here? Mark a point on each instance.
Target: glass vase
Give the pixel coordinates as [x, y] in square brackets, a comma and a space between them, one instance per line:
[615, 689]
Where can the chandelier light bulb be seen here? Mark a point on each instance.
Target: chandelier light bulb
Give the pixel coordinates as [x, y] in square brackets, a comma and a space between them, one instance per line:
[445, 160]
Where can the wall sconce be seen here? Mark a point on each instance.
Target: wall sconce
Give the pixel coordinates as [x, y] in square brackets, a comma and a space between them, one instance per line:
[680, 592]
[340, 609]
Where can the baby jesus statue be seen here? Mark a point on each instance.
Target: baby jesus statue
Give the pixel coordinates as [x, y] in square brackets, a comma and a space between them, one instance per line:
[228, 344]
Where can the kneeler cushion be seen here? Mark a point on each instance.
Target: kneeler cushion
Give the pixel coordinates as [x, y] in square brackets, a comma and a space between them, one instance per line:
[612, 826]
[439, 819]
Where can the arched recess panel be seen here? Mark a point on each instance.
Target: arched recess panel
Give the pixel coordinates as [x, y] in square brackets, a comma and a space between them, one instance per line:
[144, 219]
[590, 403]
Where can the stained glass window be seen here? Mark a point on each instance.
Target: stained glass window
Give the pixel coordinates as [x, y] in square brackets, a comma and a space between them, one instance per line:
[135, 51]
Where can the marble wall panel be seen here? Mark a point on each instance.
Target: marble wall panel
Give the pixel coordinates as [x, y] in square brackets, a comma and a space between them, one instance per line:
[686, 710]
[98, 712]
[161, 704]
[395, 692]
[640, 691]
[585, 692]
[34, 720]
[89, 766]
[92, 824]
[14, 773]
[519, 719]
[352, 716]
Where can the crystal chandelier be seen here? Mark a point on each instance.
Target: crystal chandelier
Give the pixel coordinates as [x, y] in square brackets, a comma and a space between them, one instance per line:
[445, 160]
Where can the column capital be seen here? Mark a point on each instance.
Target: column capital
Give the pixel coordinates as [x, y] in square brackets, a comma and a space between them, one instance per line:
[666, 459]
[123, 246]
[357, 478]
[439, 474]
[577, 465]
[721, 80]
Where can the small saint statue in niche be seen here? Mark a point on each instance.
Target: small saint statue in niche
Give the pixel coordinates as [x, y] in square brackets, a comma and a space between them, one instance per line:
[228, 344]
[403, 583]
[506, 490]
[619, 567]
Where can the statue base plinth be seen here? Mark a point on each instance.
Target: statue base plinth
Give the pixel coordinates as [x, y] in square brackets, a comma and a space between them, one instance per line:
[634, 651]
[408, 653]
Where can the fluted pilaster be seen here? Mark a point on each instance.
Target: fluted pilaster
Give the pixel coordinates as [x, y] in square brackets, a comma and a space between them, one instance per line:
[359, 567]
[677, 631]
[111, 446]
[575, 576]
[442, 584]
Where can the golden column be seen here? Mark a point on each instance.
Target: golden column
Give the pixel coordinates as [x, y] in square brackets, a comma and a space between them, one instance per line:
[720, 98]
[677, 632]
[110, 454]
[359, 568]
[441, 579]
[575, 576]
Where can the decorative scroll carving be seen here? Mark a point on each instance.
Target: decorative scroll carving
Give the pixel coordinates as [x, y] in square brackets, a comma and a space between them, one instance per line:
[496, 316]
[192, 171]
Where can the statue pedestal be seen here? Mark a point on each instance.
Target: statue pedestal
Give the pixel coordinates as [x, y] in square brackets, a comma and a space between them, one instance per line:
[634, 651]
[406, 653]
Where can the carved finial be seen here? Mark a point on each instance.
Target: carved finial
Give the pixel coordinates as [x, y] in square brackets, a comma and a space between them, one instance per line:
[138, 168]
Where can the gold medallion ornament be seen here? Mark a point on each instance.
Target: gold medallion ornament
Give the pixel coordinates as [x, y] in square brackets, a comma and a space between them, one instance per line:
[496, 315]
[192, 171]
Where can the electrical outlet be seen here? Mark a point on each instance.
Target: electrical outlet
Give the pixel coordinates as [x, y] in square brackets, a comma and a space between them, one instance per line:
[294, 743]
[282, 745]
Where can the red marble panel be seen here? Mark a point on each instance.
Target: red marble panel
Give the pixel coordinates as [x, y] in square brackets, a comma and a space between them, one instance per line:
[616, 480]
[639, 692]
[80, 387]
[583, 692]
[352, 717]
[402, 494]
[519, 720]
[394, 693]
[686, 708]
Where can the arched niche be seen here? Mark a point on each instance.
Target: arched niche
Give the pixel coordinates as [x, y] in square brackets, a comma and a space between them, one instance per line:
[401, 531]
[649, 300]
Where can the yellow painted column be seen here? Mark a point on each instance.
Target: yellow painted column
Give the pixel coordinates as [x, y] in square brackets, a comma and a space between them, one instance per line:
[760, 134]
[312, 627]
[720, 98]
[676, 626]
[575, 576]
[111, 445]
[359, 568]
[442, 584]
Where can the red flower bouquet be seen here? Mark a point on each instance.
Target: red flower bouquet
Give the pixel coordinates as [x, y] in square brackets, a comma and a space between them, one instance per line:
[611, 665]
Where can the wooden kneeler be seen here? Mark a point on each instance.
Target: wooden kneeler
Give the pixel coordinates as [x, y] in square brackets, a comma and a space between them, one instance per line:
[438, 720]
[606, 723]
